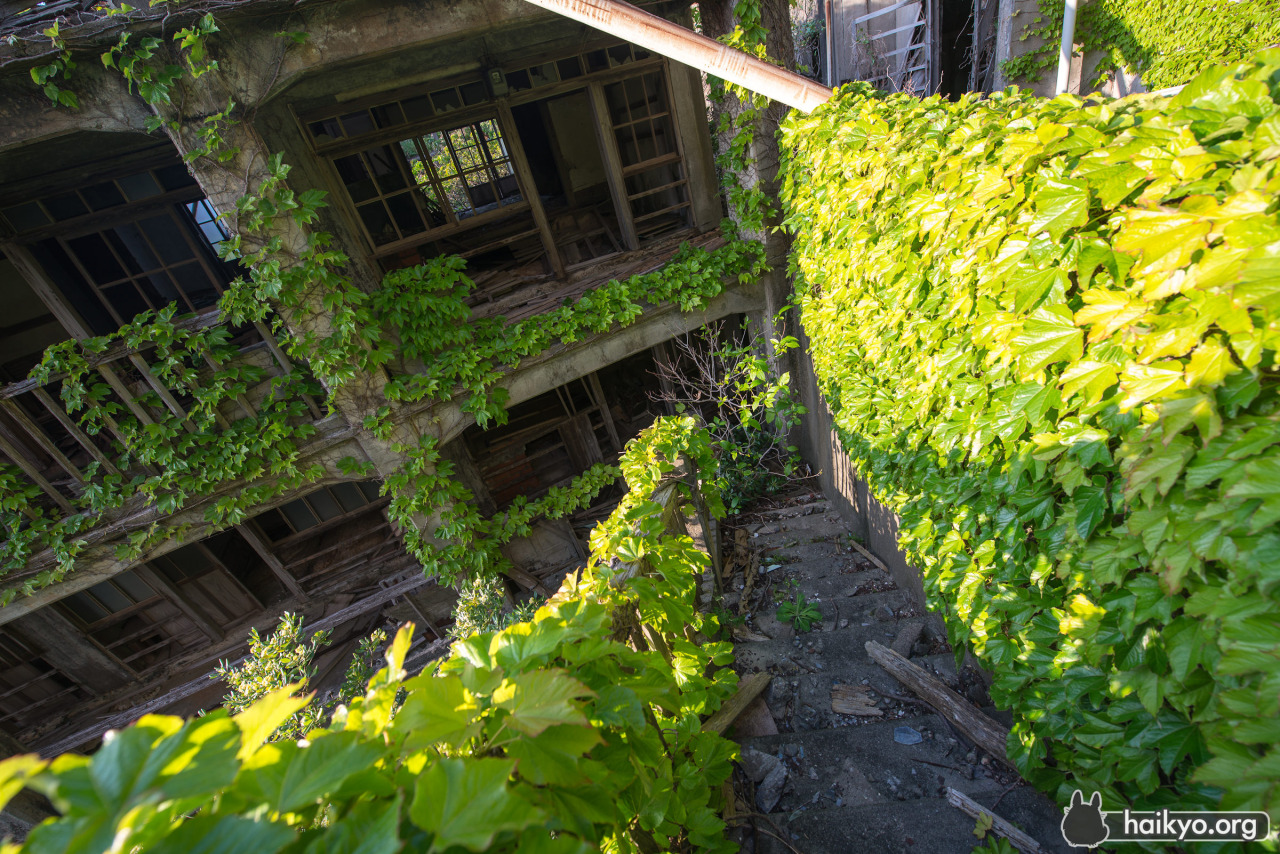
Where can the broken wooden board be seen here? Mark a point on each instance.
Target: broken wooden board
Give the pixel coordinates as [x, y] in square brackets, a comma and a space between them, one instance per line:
[854, 700]
[748, 689]
[999, 826]
[977, 727]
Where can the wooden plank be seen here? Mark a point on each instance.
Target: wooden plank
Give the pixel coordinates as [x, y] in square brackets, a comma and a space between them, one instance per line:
[980, 729]
[202, 681]
[527, 184]
[999, 826]
[466, 471]
[69, 424]
[285, 362]
[32, 472]
[526, 580]
[160, 389]
[38, 436]
[747, 691]
[67, 649]
[597, 392]
[886, 10]
[273, 563]
[879, 564]
[166, 588]
[613, 166]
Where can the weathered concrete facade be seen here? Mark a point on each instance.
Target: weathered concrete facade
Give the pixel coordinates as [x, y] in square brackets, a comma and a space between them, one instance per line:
[576, 159]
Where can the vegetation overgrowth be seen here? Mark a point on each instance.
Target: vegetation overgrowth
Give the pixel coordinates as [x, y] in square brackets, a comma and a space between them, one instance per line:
[1168, 41]
[578, 730]
[1048, 332]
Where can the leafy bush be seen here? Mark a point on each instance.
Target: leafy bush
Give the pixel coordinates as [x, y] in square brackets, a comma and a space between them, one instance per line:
[1169, 41]
[285, 658]
[749, 411]
[553, 735]
[482, 607]
[1048, 333]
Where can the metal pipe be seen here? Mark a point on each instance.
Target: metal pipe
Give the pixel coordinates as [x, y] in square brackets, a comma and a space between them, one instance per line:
[830, 45]
[1065, 47]
[674, 41]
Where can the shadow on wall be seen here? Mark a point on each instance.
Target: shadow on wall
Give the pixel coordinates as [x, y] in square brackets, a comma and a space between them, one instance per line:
[868, 519]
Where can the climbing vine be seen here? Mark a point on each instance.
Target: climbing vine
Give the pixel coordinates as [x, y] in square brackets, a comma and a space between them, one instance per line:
[578, 730]
[296, 283]
[1048, 331]
[1168, 41]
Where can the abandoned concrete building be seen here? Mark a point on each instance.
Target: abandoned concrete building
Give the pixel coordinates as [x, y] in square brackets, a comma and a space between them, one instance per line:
[551, 156]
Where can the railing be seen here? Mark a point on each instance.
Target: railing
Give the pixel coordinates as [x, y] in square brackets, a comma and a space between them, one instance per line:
[900, 58]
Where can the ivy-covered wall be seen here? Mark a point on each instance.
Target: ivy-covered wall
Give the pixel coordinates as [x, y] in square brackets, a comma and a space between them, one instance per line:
[1167, 41]
[1047, 330]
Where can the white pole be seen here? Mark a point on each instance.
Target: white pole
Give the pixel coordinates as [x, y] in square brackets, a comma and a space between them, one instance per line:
[683, 45]
[1064, 49]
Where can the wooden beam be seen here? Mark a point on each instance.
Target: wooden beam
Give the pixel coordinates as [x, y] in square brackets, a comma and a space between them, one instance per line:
[37, 435]
[999, 826]
[68, 649]
[977, 727]
[469, 474]
[201, 682]
[273, 563]
[748, 690]
[69, 424]
[613, 166]
[166, 588]
[528, 186]
[597, 391]
[29, 469]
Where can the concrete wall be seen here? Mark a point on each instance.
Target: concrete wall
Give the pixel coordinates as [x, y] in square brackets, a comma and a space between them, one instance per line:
[869, 520]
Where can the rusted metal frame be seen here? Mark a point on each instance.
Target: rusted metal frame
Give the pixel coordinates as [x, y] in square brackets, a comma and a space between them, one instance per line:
[286, 364]
[273, 563]
[32, 472]
[608, 144]
[71, 427]
[38, 436]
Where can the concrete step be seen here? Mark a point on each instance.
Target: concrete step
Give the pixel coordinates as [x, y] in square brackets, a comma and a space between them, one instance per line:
[864, 765]
[930, 826]
[871, 609]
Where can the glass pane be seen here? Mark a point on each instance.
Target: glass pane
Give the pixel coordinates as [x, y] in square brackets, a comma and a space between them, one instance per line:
[385, 169]
[160, 290]
[519, 80]
[26, 216]
[102, 196]
[133, 586]
[174, 177]
[91, 250]
[370, 489]
[569, 68]
[112, 599]
[445, 100]
[128, 240]
[406, 215]
[616, 98]
[619, 54]
[376, 219]
[125, 300]
[85, 608]
[326, 130]
[195, 283]
[597, 60]
[141, 186]
[349, 496]
[417, 108]
[167, 239]
[65, 206]
[352, 173]
[474, 93]
[636, 98]
[388, 115]
[357, 123]
[299, 516]
[541, 75]
[324, 504]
